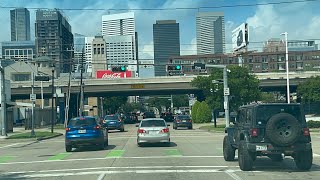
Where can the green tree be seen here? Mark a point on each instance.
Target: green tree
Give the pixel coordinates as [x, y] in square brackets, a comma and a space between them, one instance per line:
[158, 102]
[180, 100]
[309, 90]
[194, 111]
[112, 104]
[267, 97]
[244, 87]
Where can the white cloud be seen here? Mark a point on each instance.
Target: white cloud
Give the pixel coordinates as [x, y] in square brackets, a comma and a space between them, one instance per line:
[147, 51]
[190, 48]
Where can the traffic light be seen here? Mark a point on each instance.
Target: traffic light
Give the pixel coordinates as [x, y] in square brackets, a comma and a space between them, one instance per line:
[119, 69]
[174, 67]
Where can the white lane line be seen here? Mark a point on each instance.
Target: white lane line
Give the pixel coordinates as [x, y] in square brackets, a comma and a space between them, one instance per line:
[101, 177]
[232, 174]
[114, 167]
[115, 172]
[316, 155]
[10, 145]
[105, 158]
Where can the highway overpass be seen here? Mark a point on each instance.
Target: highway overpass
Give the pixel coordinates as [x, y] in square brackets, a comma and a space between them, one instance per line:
[142, 87]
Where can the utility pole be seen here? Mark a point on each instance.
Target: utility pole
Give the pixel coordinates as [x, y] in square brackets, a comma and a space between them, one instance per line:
[52, 101]
[172, 104]
[81, 86]
[32, 109]
[3, 104]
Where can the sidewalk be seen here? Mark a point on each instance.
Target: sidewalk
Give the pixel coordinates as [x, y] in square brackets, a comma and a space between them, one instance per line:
[20, 130]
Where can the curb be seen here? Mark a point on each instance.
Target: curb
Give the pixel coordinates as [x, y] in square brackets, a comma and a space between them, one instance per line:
[49, 137]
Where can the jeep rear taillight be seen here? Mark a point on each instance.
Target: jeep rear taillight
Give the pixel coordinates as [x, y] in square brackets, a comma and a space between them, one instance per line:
[306, 132]
[254, 132]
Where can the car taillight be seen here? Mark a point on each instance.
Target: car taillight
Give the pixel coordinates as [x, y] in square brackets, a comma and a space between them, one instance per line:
[67, 129]
[104, 121]
[97, 127]
[120, 120]
[254, 132]
[166, 130]
[189, 120]
[306, 132]
[178, 120]
[141, 131]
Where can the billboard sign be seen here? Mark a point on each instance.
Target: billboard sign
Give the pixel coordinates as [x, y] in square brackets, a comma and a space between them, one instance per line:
[240, 37]
[108, 74]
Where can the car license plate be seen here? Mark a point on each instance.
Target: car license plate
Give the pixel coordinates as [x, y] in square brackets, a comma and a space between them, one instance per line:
[184, 121]
[152, 132]
[82, 131]
[111, 122]
[261, 148]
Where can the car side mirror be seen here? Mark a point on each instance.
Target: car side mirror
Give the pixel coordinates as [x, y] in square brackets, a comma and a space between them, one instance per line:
[137, 125]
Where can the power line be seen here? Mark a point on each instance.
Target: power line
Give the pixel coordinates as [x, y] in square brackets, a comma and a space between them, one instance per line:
[166, 9]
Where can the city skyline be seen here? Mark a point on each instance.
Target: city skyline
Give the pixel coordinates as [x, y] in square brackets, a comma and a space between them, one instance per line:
[20, 24]
[273, 19]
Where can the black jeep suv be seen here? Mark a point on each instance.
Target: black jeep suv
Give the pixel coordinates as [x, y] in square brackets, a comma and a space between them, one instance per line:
[273, 130]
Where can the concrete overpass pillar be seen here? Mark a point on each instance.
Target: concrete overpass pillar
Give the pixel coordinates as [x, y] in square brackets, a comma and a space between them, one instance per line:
[73, 106]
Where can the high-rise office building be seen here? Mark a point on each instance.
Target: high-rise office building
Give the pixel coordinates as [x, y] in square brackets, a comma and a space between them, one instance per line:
[210, 32]
[54, 38]
[166, 42]
[79, 50]
[20, 24]
[88, 53]
[119, 33]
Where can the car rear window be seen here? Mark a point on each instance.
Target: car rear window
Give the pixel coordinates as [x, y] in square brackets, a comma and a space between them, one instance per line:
[111, 117]
[264, 113]
[183, 117]
[82, 122]
[153, 123]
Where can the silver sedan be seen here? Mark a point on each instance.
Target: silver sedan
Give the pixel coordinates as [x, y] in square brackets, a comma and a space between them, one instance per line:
[153, 130]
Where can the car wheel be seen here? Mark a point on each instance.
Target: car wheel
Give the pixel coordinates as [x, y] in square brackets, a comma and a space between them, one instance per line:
[190, 127]
[122, 129]
[303, 159]
[244, 157]
[102, 145]
[228, 150]
[276, 157]
[68, 148]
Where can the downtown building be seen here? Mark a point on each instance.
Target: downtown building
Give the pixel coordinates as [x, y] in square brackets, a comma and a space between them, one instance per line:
[79, 52]
[166, 42]
[121, 39]
[210, 33]
[20, 24]
[54, 39]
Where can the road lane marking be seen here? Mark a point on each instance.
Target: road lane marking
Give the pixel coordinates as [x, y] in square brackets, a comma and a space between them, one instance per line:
[60, 156]
[9, 176]
[101, 177]
[172, 152]
[4, 159]
[115, 153]
[232, 174]
[119, 167]
[105, 158]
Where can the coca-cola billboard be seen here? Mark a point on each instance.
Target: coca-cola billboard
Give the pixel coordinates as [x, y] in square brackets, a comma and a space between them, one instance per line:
[108, 74]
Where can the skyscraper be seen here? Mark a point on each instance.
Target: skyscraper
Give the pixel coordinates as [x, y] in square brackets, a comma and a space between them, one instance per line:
[20, 24]
[166, 42]
[121, 40]
[79, 50]
[54, 38]
[210, 32]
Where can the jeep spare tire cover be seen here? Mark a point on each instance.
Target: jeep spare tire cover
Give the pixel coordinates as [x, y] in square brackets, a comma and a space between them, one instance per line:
[283, 129]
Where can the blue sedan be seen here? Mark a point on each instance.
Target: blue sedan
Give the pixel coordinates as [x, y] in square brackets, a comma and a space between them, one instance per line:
[113, 122]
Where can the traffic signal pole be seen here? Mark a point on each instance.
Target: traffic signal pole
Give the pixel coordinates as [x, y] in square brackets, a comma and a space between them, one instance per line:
[225, 86]
[3, 104]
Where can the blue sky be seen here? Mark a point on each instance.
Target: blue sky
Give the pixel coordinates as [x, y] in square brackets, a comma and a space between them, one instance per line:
[300, 20]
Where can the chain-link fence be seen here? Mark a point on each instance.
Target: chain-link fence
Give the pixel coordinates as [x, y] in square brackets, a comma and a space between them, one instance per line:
[42, 117]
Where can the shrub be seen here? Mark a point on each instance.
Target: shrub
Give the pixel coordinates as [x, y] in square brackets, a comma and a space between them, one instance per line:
[313, 124]
[194, 111]
[204, 114]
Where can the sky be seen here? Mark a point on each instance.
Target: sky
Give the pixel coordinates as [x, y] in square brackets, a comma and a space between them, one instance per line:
[301, 20]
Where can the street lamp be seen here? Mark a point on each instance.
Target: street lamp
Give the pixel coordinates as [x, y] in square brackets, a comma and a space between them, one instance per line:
[287, 66]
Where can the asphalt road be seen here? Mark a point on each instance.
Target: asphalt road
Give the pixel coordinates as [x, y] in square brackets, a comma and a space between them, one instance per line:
[193, 154]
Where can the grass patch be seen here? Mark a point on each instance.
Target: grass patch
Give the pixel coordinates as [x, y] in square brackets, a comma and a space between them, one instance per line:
[219, 128]
[58, 126]
[27, 135]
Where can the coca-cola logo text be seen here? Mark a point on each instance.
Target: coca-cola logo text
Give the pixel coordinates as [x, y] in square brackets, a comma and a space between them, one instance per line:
[111, 76]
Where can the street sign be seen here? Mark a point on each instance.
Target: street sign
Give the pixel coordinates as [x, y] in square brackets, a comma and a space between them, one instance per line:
[41, 78]
[137, 86]
[33, 97]
[198, 66]
[226, 91]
